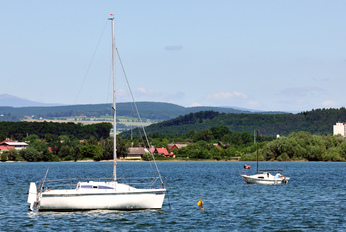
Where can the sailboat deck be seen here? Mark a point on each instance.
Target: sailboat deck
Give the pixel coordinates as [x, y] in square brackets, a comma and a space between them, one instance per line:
[98, 183]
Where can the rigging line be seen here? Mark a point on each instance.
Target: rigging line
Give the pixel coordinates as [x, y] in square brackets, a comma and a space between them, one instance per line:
[140, 119]
[131, 104]
[270, 150]
[128, 89]
[90, 62]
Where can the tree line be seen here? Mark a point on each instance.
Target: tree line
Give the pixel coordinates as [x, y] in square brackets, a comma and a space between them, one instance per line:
[19, 130]
[53, 147]
[216, 143]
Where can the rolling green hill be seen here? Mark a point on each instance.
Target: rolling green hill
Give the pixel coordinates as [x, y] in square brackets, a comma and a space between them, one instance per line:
[157, 111]
[319, 121]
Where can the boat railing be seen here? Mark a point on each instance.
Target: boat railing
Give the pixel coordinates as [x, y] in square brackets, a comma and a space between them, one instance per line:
[72, 182]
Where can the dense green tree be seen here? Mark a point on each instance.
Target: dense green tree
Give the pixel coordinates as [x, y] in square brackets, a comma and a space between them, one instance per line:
[215, 153]
[3, 157]
[30, 154]
[122, 149]
[91, 140]
[64, 151]
[76, 150]
[2, 137]
[64, 139]
[107, 146]
[236, 138]
[304, 146]
[219, 132]
[205, 135]
[31, 138]
[246, 137]
[12, 154]
[191, 133]
[92, 151]
[226, 139]
[182, 152]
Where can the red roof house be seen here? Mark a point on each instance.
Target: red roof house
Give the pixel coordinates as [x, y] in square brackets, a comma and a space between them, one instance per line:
[176, 146]
[173, 147]
[217, 145]
[161, 151]
[6, 141]
[5, 148]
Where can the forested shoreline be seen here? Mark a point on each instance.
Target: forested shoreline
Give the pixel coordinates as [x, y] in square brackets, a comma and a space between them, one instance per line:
[19, 130]
[216, 143]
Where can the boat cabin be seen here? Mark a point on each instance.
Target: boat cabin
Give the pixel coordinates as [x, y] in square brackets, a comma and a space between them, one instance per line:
[93, 185]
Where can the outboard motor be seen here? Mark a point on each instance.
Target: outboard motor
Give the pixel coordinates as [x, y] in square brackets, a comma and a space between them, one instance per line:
[32, 196]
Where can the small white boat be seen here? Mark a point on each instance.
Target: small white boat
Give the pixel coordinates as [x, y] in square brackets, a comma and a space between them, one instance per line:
[265, 177]
[53, 195]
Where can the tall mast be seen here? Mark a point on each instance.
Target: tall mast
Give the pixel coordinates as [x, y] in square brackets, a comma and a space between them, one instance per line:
[257, 151]
[114, 105]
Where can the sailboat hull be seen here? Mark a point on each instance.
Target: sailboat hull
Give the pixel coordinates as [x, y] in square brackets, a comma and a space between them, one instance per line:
[70, 200]
[264, 178]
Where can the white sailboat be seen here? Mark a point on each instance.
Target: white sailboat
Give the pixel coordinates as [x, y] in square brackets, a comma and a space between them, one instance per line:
[265, 177]
[98, 195]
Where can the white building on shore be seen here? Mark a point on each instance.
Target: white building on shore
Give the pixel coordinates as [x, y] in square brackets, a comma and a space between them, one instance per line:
[339, 128]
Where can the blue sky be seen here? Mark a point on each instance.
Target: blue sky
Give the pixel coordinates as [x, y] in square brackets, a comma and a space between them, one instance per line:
[264, 55]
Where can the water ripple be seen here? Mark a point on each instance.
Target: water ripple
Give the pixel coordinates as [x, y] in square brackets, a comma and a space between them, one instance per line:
[313, 200]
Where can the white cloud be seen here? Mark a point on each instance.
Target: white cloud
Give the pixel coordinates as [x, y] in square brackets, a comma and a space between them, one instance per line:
[329, 103]
[226, 95]
[121, 93]
[146, 92]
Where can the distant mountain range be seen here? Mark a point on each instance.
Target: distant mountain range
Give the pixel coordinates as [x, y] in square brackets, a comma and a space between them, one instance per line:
[13, 101]
[14, 109]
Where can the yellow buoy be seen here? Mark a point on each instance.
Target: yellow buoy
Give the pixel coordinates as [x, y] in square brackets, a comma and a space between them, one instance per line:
[200, 203]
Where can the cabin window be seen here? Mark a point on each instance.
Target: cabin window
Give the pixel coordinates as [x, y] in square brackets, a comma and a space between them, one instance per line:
[104, 187]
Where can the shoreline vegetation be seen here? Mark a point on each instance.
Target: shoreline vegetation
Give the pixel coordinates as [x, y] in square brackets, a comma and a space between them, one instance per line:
[216, 143]
[166, 160]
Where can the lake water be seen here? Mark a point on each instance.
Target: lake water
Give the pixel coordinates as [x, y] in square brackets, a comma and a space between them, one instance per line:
[313, 200]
